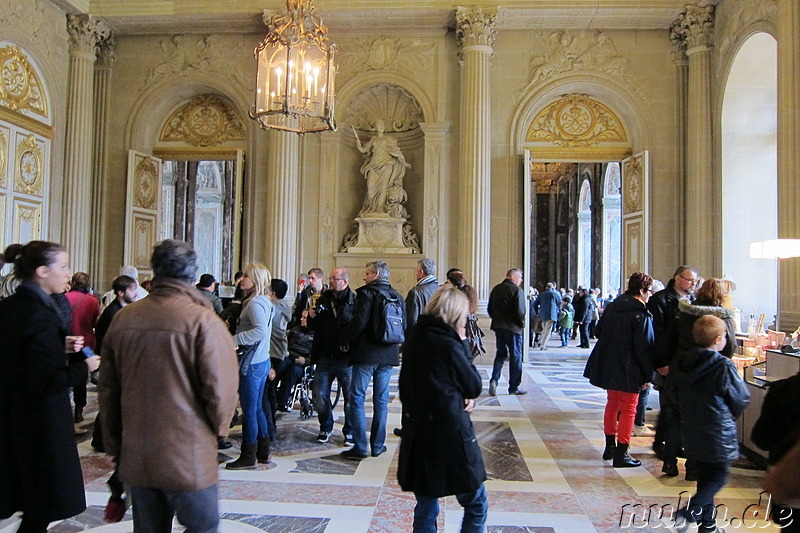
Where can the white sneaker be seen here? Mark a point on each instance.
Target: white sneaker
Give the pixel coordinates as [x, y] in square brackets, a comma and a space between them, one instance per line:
[643, 431]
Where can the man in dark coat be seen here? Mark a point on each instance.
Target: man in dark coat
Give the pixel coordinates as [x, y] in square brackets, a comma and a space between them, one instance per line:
[371, 359]
[507, 309]
[547, 306]
[333, 310]
[584, 314]
[664, 307]
[420, 293]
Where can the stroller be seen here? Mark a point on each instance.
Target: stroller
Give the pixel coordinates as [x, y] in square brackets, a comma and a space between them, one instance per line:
[303, 393]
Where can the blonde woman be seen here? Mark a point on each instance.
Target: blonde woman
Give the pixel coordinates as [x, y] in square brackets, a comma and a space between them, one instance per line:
[439, 455]
[252, 338]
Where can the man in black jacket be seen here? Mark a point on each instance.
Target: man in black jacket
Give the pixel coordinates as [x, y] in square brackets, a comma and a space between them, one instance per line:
[333, 309]
[663, 305]
[371, 359]
[507, 309]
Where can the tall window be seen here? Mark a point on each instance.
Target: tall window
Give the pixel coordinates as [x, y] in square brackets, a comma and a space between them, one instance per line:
[585, 235]
[612, 229]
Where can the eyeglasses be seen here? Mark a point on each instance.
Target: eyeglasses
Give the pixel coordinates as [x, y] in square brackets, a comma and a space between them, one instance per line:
[690, 280]
[335, 279]
[649, 289]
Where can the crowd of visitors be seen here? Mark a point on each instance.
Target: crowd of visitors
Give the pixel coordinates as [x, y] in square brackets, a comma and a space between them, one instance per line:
[238, 361]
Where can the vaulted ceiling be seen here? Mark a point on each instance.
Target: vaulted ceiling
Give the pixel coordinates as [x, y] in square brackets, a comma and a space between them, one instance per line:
[170, 16]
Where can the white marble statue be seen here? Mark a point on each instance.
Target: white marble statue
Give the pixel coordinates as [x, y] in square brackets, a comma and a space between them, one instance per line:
[384, 167]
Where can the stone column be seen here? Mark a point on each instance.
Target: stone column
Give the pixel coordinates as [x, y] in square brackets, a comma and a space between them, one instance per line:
[432, 238]
[681, 63]
[788, 158]
[703, 203]
[475, 33]
[283, 182]
[102, 97]
[84, 33]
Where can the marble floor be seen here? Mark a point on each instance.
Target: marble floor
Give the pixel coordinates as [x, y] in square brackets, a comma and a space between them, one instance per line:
[542, 454]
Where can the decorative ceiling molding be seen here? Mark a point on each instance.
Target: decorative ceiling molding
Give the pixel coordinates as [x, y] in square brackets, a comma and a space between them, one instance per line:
[575, 120]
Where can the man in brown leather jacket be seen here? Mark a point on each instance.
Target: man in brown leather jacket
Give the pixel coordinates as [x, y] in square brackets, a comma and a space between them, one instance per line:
[169, 384]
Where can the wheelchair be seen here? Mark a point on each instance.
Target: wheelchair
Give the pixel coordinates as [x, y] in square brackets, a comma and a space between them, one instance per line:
[303, 393]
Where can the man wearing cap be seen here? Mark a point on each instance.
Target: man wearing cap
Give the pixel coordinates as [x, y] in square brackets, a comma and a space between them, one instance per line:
[207, 286]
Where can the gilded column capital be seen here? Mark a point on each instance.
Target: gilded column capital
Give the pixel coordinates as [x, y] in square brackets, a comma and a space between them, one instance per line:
[105, 50]
[85, 32]
[476, 26]
[696, 27]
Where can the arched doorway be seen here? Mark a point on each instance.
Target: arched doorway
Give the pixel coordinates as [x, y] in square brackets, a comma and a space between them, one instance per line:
[749, 174]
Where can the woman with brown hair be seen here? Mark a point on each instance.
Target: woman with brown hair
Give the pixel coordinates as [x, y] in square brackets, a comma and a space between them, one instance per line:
[473, 333]
[707, 301]
[622, 364]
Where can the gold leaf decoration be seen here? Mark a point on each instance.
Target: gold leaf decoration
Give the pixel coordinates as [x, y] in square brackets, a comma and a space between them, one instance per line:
[205, 120]
[29, 167]
[576, 120]
[20, 87]
[146, 188]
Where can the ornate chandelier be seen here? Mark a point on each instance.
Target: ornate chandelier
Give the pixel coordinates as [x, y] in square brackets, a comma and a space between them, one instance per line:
[294, 87]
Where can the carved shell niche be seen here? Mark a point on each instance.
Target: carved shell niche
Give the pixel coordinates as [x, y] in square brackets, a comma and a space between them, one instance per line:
[399, 110]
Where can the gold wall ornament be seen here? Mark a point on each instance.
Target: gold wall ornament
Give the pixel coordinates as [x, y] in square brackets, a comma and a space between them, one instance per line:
[576, 120]
[632, 185]
[146, 186]
[20, 86]
[29, 167]
[4, 133]
[27, 221]
[205, 120]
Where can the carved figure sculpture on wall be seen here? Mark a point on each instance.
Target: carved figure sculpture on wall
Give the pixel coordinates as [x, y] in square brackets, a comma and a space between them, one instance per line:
[384, 167]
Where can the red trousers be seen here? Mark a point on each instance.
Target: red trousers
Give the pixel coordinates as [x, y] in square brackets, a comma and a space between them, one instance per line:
[619, 415]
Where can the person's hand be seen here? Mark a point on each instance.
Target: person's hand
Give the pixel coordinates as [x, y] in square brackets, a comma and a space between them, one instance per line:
[469, 404]
[664, 370]
[93, 362]
[272, 374]
[74, 343]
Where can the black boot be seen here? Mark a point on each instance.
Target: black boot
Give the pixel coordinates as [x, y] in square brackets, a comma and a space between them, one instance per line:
[78, 414]
[262, 453]
[670, 468]
[247, 460]
[611, 447]
[622, 459]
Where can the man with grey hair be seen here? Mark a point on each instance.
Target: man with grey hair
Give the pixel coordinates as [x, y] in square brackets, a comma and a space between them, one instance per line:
[185, 365]
[372, 358]
[507, 309]
[420, 293]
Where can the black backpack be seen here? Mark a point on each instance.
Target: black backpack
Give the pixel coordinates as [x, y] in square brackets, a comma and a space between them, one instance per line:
[388, 318]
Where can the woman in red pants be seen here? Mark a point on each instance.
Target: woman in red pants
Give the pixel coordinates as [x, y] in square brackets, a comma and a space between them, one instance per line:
[622, 364]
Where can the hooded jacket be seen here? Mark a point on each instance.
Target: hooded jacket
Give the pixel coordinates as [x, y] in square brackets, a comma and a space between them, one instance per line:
[622, 359]
[711, 396]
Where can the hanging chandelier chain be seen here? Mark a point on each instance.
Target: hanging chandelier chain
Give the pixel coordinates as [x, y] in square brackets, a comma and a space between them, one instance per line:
[300, 22]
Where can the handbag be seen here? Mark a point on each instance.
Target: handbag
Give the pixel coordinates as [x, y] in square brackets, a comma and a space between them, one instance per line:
[245, 353]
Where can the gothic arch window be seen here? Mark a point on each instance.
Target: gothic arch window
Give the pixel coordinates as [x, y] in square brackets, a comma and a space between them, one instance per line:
[749, 170]
[585, 234]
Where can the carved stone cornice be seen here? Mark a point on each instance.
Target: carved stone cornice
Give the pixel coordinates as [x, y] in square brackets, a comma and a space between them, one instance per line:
[85, 32]
[696, 26]
[105, 50]
[476, 26]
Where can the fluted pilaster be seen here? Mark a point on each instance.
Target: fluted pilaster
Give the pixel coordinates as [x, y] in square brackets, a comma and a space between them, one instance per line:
[475, 33]
[788, 158]
[681, 63]
[283, 183]
[703, 208]
[102, 99]
[84, 33]
[330, 147]
[432, 238]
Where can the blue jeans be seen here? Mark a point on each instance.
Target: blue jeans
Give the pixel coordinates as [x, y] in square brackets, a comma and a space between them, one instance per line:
[508, 342]
[711, 478]
[565, 334]
[475, 510]
[251, 393]
[153, 510]
[641, 406]
[326, 371]
[380, 375]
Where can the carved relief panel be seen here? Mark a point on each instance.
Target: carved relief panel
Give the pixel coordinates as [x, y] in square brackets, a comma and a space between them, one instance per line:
[142, 210]
[205, 120]
[29, 165]
[20, 86]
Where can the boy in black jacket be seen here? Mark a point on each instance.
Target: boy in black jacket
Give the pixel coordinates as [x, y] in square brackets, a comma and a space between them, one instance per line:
[710, 396]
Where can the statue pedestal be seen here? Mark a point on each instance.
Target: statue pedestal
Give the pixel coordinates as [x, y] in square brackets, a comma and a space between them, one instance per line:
[379, 233]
